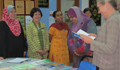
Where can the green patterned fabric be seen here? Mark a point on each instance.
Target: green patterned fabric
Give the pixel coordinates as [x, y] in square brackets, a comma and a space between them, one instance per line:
[40, 34]
[37, 39]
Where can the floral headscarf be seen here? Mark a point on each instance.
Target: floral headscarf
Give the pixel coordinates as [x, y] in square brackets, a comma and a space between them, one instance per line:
[14, 25]
[85, 23]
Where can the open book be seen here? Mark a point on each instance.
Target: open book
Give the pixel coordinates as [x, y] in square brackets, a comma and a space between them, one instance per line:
[18, 60]
[82, 32]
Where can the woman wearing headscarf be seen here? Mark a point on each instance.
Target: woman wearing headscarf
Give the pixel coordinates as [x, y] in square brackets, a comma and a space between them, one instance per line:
[79, 21]
[58, 37]
[12, 40]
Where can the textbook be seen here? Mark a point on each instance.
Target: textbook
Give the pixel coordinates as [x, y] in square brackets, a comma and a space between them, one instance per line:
[82, 32]
[45, 61]
[26, 66]
[18, 60]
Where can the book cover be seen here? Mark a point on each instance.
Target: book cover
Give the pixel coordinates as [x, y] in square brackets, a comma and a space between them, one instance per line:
[82, 32]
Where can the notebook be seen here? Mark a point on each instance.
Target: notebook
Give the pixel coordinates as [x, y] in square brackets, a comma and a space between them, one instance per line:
[82, 32]
[18, 60]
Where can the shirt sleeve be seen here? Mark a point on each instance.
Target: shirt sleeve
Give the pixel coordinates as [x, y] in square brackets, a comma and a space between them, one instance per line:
[52, 30]
[91, 27]
[3, 40]
[112, 38]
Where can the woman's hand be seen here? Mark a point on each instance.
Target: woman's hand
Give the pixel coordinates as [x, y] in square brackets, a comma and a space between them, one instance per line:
[40, 52]
[86, 39]
[1, 58]
[45, 51]
[24, 53]
[76, 52]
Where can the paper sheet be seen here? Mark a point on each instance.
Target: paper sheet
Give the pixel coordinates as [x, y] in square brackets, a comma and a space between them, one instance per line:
[17, 60]
[1, 62]
[23, 66]
[35, 62]
[28, 19]
[84, 33]
[51, 21]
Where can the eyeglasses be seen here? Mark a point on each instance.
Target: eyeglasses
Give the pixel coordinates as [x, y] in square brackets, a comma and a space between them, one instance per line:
[99, 7]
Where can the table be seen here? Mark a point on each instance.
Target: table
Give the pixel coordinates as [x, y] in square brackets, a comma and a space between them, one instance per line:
[5, 64]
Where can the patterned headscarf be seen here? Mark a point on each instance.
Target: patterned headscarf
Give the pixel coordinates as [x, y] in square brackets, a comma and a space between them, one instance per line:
[14, 25]
[74, 42]
[78, 13]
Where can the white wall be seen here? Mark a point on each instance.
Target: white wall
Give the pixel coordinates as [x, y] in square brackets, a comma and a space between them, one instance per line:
[46, 12]
[65, 6]
[85, 4]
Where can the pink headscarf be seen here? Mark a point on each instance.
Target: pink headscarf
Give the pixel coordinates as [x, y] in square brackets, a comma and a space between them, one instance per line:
[73, 42]
[80, 15]
[14, 25]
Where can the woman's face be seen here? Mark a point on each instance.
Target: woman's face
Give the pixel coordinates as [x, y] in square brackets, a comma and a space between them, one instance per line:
[88, 13]
[73, 19]
[59, 17]
[12, 14]
[36, 16]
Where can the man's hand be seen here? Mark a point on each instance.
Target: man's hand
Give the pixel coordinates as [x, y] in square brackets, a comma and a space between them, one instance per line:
[86, 39]
[90, 34]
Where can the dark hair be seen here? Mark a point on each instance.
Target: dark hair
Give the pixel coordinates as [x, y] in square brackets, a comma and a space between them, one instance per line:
[54, 13]
[87, 9]
[35, 10]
